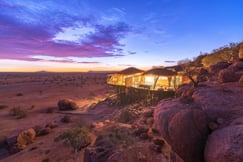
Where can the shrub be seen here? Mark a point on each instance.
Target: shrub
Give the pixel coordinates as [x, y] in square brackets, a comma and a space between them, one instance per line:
[76, 138]
[66, 119]
[46, 160]
[3, 107]
[18, 113]
[37, 129]
[50, 110]
[19, 94]
[126, 116]
[118, 135]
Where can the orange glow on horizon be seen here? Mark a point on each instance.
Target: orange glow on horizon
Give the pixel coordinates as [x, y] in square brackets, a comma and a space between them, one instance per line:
[35, 66]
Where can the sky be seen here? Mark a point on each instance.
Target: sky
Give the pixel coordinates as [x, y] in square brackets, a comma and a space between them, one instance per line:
[85, 35]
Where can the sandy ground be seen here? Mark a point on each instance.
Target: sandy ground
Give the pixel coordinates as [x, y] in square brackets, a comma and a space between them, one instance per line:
[41, 91]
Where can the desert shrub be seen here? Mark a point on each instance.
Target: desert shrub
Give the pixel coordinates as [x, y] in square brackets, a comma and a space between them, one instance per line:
[66, 119]
[118, 135]
[126, 116]
[18, 113]
[45, 131]
[3, 107]
[46, 160]
[50, 110]
[67, 104]
[19, 94]
[37, 129]
[76, 138]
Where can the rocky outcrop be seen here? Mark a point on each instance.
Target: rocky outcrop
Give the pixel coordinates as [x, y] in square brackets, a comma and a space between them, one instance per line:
[184, 127]
[225, 144]
[67, 104]
[25, 138]
[217, 67]
[100, 152]
[241, 52]
[227, 75]
[220, 102]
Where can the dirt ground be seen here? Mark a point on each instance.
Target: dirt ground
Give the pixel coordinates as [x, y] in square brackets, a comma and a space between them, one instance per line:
[35, 93]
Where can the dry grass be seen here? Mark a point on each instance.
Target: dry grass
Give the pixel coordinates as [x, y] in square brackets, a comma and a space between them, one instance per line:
[18, 113]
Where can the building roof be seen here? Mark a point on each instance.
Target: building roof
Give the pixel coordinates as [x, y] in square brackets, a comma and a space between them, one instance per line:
[160, 71]
[130, 70]
[176, 68]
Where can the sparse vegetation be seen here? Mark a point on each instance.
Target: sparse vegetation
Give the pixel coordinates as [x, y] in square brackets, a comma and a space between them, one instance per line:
[126, 116]
[118, 135]
[50, 110]
[3, 107]
[76, 138]
[66, 119]
[19, 94]
[228, 53]
[18, 112]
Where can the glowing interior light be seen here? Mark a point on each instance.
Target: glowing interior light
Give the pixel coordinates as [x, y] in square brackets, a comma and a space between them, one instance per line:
[149, 79]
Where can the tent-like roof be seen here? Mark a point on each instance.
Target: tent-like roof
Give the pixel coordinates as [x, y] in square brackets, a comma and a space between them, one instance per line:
[160, 71]
[176, 68]
[130, 70]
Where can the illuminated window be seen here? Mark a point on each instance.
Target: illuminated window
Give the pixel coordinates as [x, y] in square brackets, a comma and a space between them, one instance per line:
[149, 79]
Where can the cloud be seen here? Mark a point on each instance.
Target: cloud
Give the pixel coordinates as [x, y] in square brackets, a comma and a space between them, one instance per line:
[27, 31]
[132, 52]
[170, 61]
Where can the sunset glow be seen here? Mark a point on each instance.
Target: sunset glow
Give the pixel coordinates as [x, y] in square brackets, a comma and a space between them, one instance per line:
[112, 35]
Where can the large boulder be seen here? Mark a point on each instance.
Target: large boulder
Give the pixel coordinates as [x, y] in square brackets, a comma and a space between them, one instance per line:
[217, 67]
[227, 75]
[25, 138]
[225, 144]
[184, 127]
[67, 104]
[237, 66]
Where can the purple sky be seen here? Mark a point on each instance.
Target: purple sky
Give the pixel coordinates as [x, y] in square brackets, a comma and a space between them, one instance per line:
[59, 35]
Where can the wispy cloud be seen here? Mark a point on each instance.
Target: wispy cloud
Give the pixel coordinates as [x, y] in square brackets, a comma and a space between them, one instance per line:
[26, 32]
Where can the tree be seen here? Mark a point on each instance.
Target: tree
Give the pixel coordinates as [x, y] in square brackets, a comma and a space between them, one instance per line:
[194, 72]
[77, 138]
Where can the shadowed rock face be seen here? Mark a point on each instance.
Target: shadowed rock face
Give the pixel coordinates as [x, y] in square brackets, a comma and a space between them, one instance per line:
[225, 145]
[184, 127]
[227, 75]
[219, 66]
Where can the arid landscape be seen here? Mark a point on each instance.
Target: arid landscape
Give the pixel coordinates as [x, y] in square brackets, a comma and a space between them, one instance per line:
[37, 95]
[121, 81]
[189, 125]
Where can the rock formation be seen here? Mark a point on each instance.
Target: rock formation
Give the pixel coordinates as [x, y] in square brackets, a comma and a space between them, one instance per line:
[26, 137]
[184, 127]
[67, 104]
[225, 144]
[241, 52]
